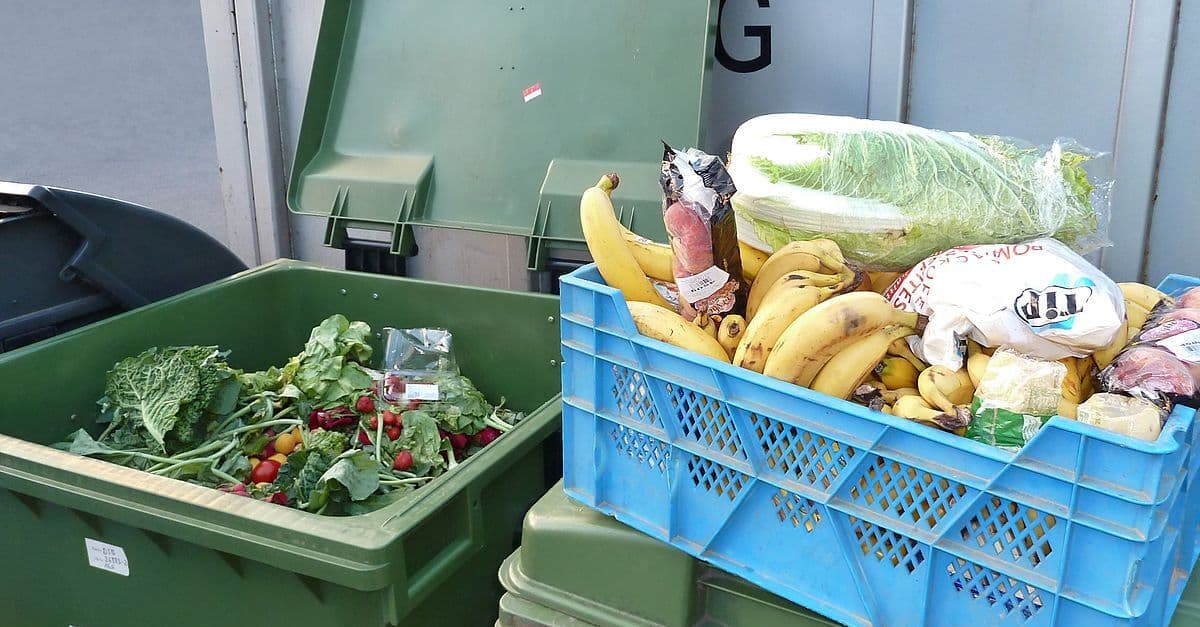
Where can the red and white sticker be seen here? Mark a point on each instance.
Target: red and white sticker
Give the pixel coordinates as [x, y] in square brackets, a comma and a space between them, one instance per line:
[533, 91]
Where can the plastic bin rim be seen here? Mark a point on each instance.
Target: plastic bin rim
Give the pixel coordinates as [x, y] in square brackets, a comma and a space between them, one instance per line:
[219, 521]
[588, 278]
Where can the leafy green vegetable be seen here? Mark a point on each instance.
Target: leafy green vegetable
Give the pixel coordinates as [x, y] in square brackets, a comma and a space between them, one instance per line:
[328, 443]
[183, 413]
[462, 408]
[353, 477]
[163, 395]
[891, 194]
[328, 372]
[420, 437]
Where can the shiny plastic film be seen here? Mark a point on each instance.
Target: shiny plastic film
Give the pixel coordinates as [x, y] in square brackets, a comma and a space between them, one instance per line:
[891, 194]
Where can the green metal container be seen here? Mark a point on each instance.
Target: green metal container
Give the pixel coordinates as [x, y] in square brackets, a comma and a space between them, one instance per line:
[185, 555]
[579, 567]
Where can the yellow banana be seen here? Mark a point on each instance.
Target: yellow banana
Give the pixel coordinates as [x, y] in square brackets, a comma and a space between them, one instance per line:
[1137, 316]
[1145, 296]
[652, 257]
[795, 257]
[706, 324]
[900, 348]
[662, 324]
[880, 281]
[794, 280]
[916, 409]
[602, 231]
[729, 334]
[1068, 409]
[944, 388]
[891, 396]
[977, 365]
[897, 373]
[1087, 366]
[977, 362]
[812, 339]
[1078, 371]
[752, 260]
[1104, 356]
[846, 370]
[835, 259]
[786, 304]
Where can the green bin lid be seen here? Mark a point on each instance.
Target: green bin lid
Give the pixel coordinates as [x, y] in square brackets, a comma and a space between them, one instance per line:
[496, 116]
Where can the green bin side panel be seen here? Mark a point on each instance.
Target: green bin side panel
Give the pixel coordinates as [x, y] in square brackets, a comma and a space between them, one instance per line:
[579, 567]
[416, 112]
[201, 557]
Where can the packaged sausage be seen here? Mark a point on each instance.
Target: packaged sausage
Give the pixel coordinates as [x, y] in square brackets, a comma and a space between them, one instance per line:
[700, 223]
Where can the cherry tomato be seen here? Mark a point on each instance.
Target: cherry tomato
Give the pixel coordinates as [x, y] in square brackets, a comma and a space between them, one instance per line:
[266, 472]
[390, 419]
[394, 433]
[285, 444]
[278, 458]
[403, 461]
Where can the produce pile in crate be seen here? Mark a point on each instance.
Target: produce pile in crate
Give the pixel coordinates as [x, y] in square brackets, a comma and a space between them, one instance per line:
[872, 373]
[323, 433]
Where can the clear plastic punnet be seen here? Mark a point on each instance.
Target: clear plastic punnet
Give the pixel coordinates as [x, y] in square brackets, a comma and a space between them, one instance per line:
[891, 194]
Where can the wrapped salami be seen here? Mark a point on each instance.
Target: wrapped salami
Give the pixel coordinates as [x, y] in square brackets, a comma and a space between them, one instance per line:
[700, 223]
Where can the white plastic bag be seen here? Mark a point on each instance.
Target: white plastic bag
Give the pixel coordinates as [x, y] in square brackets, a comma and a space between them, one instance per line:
[1039, 298]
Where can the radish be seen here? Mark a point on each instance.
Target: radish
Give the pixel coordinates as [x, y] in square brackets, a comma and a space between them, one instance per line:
[486, 436]
[459, 441]
[365, 405]
[403, 461]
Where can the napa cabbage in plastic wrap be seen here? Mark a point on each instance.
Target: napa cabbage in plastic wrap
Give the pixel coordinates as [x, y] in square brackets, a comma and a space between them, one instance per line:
[891, 194]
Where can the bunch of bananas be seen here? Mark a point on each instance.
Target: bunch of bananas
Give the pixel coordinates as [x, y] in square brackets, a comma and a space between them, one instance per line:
[633, 264]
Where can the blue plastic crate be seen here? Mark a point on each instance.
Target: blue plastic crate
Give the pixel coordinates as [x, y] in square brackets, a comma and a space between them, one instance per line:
[861, 516]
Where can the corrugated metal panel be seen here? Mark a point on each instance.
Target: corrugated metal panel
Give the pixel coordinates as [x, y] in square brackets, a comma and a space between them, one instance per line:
[1175, 222]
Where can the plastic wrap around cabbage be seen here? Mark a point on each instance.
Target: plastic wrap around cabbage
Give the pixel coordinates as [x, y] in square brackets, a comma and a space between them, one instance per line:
[891, 194]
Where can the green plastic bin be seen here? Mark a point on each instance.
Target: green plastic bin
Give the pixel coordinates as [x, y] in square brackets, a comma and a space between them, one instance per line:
[196, 556]
[578, 567]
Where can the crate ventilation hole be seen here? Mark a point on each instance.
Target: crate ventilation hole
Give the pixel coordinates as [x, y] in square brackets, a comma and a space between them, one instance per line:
[1011, 530]
[998, 590]
[706, 421]
[905, 492]
[642, 448]
[712, 476]
[803, 456]
[887, 547]
[800, 512]
[632, 396]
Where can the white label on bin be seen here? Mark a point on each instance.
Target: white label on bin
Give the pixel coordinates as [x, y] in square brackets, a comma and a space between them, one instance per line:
[1185, 346]
[106, 556]
[702, 285]
[422, 392]
[533, 91]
